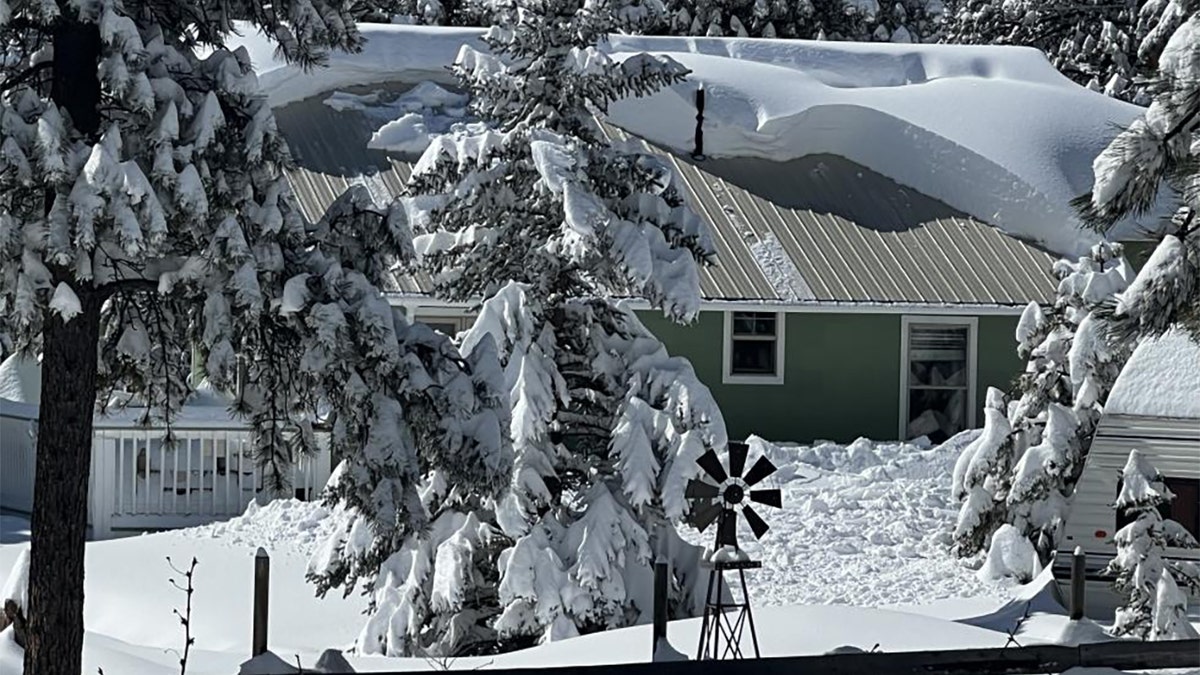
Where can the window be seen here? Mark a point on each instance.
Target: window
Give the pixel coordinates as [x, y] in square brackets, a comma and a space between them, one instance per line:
[446, 324]
[1184, 509]
[753, 348]
[937, 378]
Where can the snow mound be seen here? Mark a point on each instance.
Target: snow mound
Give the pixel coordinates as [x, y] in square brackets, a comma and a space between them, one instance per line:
[280, 524]
[21, 379]
[1010, 556]
[996, 132]
[864, 524]
[1160, 379]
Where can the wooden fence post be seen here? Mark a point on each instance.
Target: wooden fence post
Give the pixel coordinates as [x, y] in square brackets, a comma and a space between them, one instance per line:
[262, 588]
[1078, 582]
[660, 605]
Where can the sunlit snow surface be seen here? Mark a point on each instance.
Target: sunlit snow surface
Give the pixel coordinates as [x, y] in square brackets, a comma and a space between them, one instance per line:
[862, 525]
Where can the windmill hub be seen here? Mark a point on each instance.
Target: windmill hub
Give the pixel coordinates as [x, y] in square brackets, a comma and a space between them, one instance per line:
[734, 494]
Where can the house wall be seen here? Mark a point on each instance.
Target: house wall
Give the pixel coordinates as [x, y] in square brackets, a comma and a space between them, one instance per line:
[841, 373]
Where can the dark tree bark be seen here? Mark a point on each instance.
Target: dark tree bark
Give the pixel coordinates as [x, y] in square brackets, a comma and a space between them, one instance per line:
[54, 629]
[54, 622]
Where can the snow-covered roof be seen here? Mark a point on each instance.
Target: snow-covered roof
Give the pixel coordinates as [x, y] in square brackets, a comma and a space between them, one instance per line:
[815, 230]
[995, 132]
[1161, 379]
[21, 379]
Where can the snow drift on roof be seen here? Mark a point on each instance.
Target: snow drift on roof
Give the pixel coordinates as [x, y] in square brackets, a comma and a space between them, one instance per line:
[996, 132]
[1161, 379]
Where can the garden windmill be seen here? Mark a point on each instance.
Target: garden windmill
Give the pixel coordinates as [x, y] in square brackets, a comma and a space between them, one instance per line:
[721, 500]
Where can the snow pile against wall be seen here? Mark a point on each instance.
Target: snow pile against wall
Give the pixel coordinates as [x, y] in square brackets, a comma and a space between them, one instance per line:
[994, 131]
[1161, 379]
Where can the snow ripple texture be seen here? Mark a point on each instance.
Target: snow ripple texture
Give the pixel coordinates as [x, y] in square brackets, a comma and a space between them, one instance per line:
[865, 524]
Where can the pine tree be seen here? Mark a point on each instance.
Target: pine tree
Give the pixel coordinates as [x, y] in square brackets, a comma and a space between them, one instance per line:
[1158, 153]
[548, 223]
[1106, 46]
[144, 209]
[1070, 371]
[981, 477]
[1154, 607]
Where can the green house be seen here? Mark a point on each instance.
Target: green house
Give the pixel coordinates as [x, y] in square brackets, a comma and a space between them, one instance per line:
[841, 302]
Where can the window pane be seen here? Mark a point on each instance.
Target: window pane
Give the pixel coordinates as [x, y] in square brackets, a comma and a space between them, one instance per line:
[753, 357]
[448, 328]
[936, 413]
[753, 323]
[937, 356]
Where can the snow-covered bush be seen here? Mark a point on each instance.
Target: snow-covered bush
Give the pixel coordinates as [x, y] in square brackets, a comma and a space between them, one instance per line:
[1154, 608]
[981, 478]
[1071, 367]
[1010, 555]
[535, 214]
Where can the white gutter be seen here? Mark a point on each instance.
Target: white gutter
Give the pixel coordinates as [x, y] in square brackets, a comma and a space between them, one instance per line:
[416, 301]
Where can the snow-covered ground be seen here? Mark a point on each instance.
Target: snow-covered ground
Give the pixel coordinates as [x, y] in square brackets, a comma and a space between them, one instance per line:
[863, 526]
[994, 131]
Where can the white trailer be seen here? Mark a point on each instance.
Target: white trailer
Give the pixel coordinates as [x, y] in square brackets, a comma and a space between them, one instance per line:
[1154, 407]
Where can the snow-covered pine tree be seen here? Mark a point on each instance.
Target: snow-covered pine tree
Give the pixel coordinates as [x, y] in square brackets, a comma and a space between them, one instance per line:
[981, 477]
[1106, 46]
[1070, 372]
[859, 20]
[1159, 152]
[144, 209]
[547, 222]
[1154, 608]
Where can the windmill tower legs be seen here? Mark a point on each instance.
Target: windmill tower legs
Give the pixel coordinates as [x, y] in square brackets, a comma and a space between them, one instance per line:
[725, 622]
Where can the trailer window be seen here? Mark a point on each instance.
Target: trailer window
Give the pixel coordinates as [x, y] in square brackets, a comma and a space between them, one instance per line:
[1184, 509]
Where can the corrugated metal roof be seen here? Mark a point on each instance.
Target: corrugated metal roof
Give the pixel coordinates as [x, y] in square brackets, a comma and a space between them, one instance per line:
[816, 229]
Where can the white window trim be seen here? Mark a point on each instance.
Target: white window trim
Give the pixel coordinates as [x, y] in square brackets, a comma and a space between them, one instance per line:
[972, 324]
[454, 315]
[727, 377]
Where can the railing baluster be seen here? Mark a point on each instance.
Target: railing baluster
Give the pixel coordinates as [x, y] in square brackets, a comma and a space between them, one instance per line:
[212, 449]
[225, 508]
[120, 469]
[240, 496]
[133, 464]
[162, 473]
[175, 479]
[187, 483]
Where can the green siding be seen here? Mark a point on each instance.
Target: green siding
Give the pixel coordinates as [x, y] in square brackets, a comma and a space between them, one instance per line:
[998, 363]
[841, 373]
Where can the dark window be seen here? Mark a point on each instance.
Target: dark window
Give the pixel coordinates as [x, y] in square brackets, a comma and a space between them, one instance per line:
[1184, 509]
[753, 343]
[938, 380]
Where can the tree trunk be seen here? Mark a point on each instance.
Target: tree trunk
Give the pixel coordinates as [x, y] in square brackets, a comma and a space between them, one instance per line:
[54, 628]
[54, 632]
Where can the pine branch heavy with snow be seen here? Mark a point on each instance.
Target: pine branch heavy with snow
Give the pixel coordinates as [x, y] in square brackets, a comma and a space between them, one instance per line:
[1157, 155]
[146, 210]
[1155, 608]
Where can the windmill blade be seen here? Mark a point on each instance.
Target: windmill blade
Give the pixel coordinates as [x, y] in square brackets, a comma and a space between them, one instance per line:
[758, 525]
[737, 458]
[698, 489]
[712, 466]
[761, 469]
[770, 497]
[703, 516]
[727, 532]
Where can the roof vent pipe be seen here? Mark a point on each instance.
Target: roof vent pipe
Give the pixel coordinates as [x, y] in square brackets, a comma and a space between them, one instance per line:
[698, 151]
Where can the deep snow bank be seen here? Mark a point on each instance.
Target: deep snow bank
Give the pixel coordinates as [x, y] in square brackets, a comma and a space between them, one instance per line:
[993, 131]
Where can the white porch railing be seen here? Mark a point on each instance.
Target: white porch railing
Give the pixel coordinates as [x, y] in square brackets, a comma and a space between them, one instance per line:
[141, 482]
